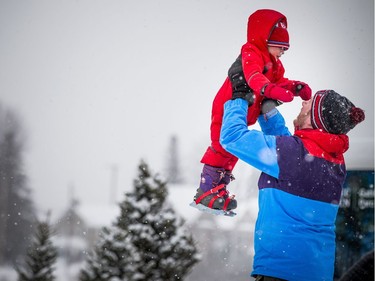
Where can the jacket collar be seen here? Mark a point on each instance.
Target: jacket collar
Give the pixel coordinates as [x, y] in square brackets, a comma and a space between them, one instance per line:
[324, 145]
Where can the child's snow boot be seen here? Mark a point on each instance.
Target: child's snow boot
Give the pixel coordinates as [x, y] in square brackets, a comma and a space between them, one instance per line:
[216, 198]
[212, 191]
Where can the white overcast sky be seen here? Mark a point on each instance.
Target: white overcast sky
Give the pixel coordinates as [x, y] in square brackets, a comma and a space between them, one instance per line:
[103, 83]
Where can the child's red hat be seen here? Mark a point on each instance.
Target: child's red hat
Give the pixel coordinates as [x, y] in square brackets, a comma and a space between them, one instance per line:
[279, 36]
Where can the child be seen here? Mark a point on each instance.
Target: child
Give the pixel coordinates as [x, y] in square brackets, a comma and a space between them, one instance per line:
[258, 67]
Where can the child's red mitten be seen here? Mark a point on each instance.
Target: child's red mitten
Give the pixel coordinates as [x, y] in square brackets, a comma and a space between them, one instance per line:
[303, 90]
[298, 88]
[272, 91]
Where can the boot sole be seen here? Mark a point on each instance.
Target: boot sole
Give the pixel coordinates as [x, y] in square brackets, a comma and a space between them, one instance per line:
[216, 212]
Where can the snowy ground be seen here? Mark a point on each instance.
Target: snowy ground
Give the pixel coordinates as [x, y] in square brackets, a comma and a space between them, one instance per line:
[7, 274]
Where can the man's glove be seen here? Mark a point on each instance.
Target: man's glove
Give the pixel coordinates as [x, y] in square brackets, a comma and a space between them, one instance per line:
[275, 92]
[298, 88]
[240, 89]
[268, 105]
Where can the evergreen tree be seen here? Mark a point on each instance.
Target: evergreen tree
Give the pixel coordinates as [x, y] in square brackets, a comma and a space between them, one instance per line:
[112, 257]
[16, 208]
[40, 258]
[148, 241]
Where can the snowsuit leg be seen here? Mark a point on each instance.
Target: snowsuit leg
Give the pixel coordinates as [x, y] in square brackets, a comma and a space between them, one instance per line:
[215, 154]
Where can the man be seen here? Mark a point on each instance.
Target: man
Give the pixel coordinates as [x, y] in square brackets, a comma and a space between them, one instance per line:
[301, 181]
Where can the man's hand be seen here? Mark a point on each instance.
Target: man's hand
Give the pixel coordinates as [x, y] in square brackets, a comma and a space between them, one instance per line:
[268, 105]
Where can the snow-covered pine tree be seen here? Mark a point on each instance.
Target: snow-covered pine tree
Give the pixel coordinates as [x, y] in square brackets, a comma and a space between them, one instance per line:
[166, 250]
[148, 241]
[41, 256]
[111, 259]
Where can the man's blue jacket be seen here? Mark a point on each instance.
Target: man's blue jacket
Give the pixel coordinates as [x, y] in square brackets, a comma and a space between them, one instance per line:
[299, 192]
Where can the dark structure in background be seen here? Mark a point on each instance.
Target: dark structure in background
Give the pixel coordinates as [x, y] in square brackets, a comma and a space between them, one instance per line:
[17, 212]
[355, 220]
[173, 169]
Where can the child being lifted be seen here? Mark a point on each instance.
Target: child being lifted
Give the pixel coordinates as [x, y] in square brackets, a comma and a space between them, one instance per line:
[258, 71]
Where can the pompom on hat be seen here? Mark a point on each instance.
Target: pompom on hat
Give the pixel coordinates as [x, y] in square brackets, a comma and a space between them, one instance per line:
[279, 36]
[334, 113]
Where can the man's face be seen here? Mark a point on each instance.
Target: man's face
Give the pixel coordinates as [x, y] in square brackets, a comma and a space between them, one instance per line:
[303, 120]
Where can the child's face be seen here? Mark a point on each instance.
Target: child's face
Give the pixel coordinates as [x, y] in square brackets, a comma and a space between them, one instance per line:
[276, 52]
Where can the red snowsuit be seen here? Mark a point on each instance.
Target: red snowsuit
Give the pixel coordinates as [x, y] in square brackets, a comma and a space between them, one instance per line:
[260, 68]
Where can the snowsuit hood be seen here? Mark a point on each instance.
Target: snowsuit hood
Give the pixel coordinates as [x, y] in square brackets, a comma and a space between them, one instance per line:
[260, 26]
